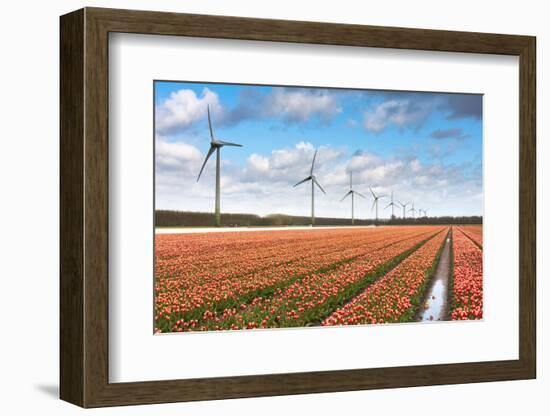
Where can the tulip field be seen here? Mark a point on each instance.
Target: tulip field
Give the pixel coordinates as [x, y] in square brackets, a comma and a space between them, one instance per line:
[467, 299]
[315, 277]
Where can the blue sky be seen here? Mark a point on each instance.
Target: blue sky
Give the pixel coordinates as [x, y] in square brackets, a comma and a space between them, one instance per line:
[425, 147]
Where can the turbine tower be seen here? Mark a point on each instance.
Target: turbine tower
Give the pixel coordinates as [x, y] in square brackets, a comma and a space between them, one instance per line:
[404, 206]
[215, 146]
[314, 182]
[392, 205]
[412, 209]
[352, 193]
[375, 202]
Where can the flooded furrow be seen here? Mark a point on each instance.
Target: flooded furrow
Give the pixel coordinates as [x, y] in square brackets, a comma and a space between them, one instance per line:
[436, 307]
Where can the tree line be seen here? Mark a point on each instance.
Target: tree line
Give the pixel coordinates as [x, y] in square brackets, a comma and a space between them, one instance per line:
[167, 218]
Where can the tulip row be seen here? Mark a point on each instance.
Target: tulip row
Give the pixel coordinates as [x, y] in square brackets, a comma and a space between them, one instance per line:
[396, 296]
[188, 300]
[474, 232]
[467, 295]
[200, 258]
[206, 256]
[316, 295]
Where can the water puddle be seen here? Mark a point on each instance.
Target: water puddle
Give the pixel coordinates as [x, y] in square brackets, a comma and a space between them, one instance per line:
[435, 304]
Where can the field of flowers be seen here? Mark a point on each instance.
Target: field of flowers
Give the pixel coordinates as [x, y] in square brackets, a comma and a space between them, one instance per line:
[188, 286]
[396, 296]
[474, 232]
[467, 291]
[266, 279]
[317, 294]
[296, 278]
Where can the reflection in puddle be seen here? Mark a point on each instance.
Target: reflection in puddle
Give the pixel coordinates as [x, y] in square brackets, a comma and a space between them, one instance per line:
[435, 305]
[436, 302]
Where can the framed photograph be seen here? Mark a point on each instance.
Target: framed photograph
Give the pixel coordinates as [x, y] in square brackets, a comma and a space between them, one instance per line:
[255, 207]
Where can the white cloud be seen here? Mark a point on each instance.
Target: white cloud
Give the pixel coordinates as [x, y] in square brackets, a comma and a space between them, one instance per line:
[370, 168]
[300, 105]
[176, 156]
[363, 160]
[290, 165]
[421, 180]
[400, 113]
[415, 165]
[258, 163]
[183, 108]
[264, 183]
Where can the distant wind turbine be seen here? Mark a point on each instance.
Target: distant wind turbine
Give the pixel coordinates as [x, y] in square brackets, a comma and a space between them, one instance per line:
[392, 205]
[412, 209]
[314, 182]
[404, 206]
[375, 202]
[215, 146]
[352, 193]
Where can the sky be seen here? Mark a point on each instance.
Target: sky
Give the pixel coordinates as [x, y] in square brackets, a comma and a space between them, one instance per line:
[425, 147]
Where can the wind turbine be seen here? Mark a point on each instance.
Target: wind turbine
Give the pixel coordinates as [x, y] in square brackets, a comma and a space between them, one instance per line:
[425, 211]
[352, 193]
[392, 205]
[215, 146]
[404, 207]
[314, 182]
[375, 202]
[412, 209]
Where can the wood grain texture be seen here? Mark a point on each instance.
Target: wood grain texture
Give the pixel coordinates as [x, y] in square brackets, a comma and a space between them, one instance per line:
[71, 186]
[527, 208]
[96, 208]
[84, 207]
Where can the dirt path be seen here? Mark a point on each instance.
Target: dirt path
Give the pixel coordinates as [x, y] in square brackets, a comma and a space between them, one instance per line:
[436, 306]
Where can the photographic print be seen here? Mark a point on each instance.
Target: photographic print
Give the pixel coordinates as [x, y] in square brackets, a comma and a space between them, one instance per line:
[288, 206]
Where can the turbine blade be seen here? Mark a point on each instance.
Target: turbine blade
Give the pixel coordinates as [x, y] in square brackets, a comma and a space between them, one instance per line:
[387, 206]
[360, 194]
[302, 181]
[229, 143]
[319, 185]
[210, 123]
[372, 192]
[313, 162]
[373, 204]
[346, 195]
[210, 151]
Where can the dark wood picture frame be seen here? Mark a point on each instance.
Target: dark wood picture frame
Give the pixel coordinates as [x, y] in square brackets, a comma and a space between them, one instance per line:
[84, 207]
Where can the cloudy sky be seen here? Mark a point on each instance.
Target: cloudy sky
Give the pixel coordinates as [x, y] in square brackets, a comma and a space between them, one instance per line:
[425, 147]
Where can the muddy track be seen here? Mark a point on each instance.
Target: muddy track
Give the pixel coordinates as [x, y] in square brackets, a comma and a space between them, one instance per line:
[435, 306]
